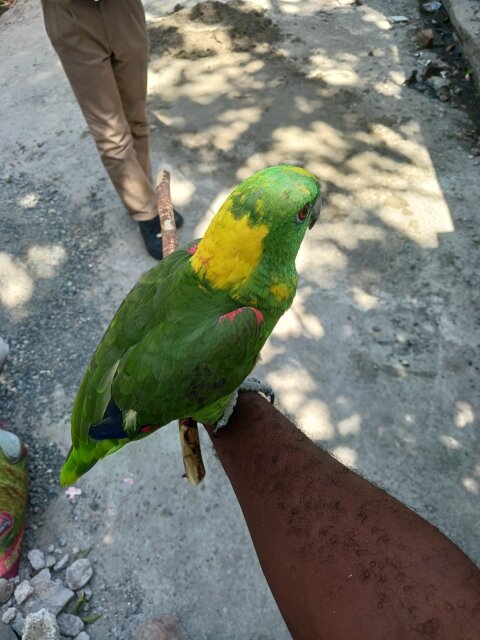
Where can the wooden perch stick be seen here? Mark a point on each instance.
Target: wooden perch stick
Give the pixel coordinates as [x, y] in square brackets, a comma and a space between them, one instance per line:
[189, 437]
[191, 452]
[165, 212]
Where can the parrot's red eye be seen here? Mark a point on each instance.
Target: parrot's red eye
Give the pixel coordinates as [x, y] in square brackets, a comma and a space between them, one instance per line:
[303, 213]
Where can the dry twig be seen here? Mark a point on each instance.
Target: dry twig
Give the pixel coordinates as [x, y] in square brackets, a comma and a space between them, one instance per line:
[189, 437]
[165, 212]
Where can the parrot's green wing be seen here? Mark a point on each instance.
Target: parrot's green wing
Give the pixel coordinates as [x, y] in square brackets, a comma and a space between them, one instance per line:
[136, 316]
[173, 350]
[189, 368]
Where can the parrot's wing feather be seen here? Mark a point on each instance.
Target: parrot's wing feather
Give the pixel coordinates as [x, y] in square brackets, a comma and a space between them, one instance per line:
[136, 316]
[173, 373]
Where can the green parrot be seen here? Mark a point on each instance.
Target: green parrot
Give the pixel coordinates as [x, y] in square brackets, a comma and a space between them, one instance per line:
[191, 330]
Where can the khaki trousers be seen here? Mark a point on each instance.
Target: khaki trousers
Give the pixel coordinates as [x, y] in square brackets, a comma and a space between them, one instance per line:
[103, 48]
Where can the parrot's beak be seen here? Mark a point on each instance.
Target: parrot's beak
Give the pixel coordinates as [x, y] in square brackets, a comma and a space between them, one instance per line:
[316, 212]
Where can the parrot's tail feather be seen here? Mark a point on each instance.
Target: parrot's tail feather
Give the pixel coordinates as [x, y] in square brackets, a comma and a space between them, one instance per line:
[74, 467]
[81, 460]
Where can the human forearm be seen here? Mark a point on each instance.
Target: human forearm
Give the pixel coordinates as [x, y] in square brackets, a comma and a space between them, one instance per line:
[343, 559]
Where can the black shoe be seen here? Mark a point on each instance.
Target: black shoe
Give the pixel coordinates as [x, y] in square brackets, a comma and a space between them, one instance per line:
[178, 219]
[152, 234]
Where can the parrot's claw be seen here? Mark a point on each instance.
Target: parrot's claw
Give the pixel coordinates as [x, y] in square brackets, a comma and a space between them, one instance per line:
[227, 414]
[254, 384]
[249, 384]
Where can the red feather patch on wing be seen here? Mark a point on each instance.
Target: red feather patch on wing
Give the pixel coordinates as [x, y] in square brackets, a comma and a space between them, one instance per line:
[149, 428]
[258, 314]
[191, 250]
[232, 314]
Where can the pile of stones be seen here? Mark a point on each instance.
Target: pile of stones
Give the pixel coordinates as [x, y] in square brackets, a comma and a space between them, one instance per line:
[52, 599]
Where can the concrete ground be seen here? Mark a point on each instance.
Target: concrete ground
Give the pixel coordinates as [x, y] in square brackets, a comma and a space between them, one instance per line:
[378, 360]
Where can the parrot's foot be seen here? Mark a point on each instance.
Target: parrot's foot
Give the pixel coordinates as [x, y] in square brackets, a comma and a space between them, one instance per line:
[250, 384]
[227, 414]
[254, 384]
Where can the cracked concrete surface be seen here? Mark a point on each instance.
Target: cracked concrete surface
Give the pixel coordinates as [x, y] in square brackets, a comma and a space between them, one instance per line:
[378, 360]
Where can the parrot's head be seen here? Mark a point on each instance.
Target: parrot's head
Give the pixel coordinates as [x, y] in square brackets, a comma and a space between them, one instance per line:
[257, 232]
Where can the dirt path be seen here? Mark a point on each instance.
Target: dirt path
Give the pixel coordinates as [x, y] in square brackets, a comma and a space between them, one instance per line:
[379, 358]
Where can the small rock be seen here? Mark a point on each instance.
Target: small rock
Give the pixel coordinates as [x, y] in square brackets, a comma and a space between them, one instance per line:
[431, 7]
[42, 576]
[6, 590]
[36, 559]
[79, 573]
[164, 628]
[18, 624]
[23, 591]
[50, 595]
[41, 626]
[438, 82]
[443, 94]
[50, 561]
[81, 636]
[425, 38]
[62, 541]
[6, 633]
[9, 615]
[70, 625]
[398, 19]
[62, 563]
[51, 548]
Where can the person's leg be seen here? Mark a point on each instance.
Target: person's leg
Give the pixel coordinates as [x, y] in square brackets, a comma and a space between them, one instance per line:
[77, 32]
[127, 31]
